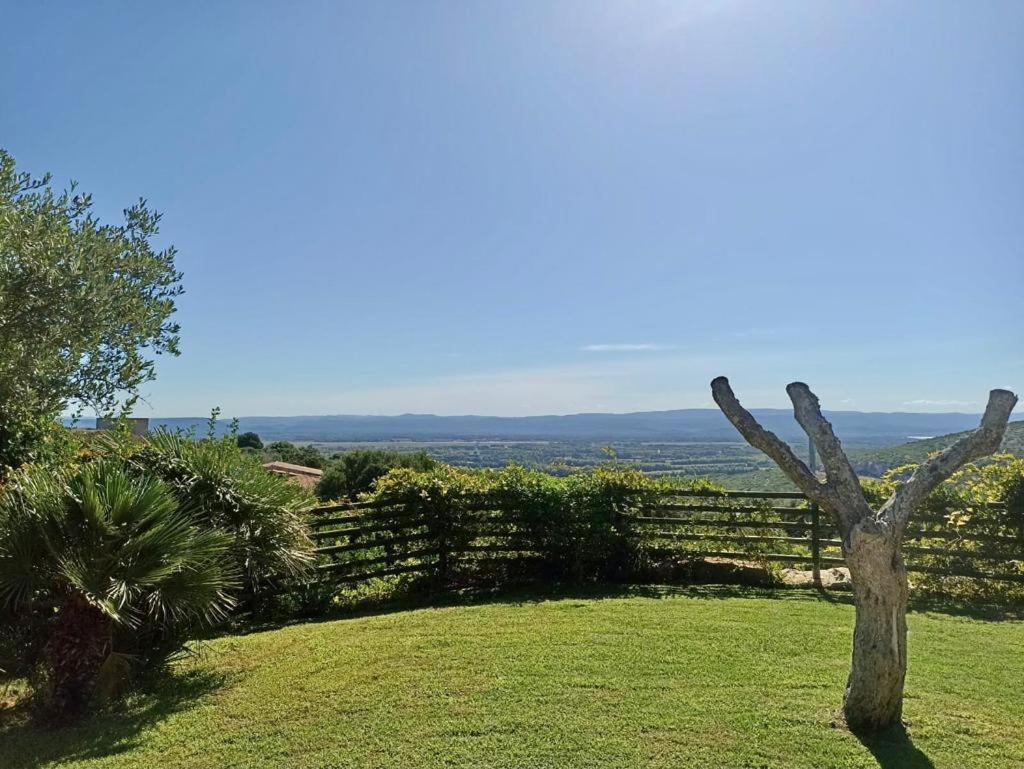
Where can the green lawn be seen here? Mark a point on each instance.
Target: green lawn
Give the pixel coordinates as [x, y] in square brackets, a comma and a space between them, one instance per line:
[643, 678]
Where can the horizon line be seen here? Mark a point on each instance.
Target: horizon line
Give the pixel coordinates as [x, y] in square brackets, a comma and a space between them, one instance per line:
[225, 418]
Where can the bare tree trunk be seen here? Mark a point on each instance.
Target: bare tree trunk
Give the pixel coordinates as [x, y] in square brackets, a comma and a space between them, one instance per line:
[874, 689]
[76, 650]
[871, 539]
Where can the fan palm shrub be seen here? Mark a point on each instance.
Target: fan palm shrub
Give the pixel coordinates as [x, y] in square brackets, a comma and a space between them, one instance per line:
[229, 489]
[117, 566]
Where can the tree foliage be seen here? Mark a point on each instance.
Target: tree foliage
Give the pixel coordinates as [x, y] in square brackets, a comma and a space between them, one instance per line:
[286, 451]
[574, 521]
[229, 490]
[112, 564]
[249, 440]
[84, 306]
[973, 522]
[354, 472]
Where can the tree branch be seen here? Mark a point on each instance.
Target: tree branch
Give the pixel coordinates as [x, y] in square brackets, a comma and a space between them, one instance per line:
[769, 443]
[980, 443]
[842, 479]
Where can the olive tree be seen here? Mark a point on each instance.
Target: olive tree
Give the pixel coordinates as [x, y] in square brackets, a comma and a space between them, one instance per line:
[84, 306]
[871, 539]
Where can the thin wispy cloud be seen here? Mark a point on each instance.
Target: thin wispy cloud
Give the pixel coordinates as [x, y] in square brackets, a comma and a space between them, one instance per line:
[753, 333]
[930, 402]
[602, 383]
[634, 347]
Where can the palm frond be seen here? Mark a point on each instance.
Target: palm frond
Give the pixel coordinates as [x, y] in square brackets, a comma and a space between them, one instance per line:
[119, 542]
[226, 488]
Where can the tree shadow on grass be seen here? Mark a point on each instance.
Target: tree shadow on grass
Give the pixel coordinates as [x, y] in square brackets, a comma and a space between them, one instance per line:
[936, 604]
[653, 591]
[526, 594]
[531, 592]
[25, 744]
[893, 749]
[962, 608]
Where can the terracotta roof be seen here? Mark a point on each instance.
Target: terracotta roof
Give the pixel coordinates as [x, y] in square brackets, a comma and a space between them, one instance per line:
[289, 469]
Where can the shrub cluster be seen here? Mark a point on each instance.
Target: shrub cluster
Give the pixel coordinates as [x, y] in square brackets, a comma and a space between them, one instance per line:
[286, 451]
[572, 528]
[979, 513]
[354, 472]
[572, 522]
[229, 490]
[113, 560]
[107, 566]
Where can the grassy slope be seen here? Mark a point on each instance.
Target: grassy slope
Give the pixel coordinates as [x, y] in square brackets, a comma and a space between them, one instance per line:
[657, 678]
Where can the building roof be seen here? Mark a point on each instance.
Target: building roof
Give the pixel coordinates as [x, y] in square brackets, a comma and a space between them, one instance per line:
[306, 477]
[289, 469]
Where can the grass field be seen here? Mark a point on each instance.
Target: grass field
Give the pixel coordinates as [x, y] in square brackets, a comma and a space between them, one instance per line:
[640, 678]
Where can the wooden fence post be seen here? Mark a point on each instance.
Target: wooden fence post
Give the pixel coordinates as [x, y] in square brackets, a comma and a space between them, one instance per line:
[443, 522]
[815, 545]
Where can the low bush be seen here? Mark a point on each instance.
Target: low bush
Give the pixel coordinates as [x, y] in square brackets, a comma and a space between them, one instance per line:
[228, 489]
[977, 518]
[100, 568]
[493, 524]
[354, 472]
[249, 440]
[286, 451]
[572, 523]
[713, 522]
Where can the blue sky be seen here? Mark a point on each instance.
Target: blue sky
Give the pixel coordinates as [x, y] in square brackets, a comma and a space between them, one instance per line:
[526, 207]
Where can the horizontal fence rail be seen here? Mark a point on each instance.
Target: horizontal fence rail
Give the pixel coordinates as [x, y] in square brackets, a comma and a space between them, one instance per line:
[365, 540]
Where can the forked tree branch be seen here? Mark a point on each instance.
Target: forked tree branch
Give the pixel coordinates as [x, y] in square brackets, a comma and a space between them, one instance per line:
[770, 444]
[980, 443]
[842, 480]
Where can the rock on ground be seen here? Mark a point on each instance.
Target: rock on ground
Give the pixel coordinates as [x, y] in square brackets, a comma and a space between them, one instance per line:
[837, 578]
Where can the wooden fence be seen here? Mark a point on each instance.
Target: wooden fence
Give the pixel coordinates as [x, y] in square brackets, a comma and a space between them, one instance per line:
[361, 541]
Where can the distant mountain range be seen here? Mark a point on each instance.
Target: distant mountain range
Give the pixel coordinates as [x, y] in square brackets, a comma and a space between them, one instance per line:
[855, 428]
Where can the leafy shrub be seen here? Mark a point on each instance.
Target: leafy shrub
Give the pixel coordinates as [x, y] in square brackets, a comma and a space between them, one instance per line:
[105, 567]
[444, 498]
[230, 490]
[979, 513]
[573, 523]
[465, 528]
[249, 440]
[354, 472]
[710, 522]
[285, 451]
[597, 507]
[578, 520]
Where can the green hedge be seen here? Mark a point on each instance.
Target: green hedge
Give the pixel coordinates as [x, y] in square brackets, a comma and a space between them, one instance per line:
[569, 529]
[979, 512]
[571, 523]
